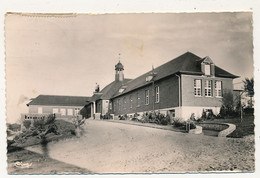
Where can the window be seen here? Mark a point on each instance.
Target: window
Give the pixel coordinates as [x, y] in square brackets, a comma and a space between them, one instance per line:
[138, 100]
[76, 111]
[39, 110]
[55, 110]
[146, 97]
[157, 94]
[208, 88]
[197, 87]
[207, 69]
[63, 111]
[121, 90]
[124, 103]
[131, 101]
[119, 104]
[70, 112]
[218, 88]
[173, 113]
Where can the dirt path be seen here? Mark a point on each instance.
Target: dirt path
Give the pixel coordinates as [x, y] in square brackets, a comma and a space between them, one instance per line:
[108, 147]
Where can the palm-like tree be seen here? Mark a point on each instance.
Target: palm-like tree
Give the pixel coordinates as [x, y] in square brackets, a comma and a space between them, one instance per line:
[249, 88]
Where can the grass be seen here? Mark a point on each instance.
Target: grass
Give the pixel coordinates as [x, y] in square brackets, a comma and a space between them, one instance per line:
[244, 128]
[65, 130]
[40, 164]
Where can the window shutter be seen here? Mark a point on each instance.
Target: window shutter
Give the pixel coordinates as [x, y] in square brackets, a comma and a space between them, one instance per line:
[203, 67]
[212, 69]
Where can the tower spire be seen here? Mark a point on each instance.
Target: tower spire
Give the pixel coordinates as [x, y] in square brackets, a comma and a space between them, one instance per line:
[119, 76]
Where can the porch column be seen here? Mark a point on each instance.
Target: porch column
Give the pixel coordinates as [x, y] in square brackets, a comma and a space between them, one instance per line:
[94, 109]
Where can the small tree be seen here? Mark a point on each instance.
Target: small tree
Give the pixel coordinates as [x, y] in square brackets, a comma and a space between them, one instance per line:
[227, 103]
[249, 89]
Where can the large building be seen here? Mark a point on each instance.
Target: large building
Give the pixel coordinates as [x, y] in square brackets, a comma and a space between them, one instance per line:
[64, 106]
[185, 85]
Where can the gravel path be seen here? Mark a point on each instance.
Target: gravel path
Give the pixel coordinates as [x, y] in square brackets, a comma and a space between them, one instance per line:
[109, 147]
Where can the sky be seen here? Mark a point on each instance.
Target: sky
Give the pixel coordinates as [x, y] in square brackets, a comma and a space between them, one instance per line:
[68, 55]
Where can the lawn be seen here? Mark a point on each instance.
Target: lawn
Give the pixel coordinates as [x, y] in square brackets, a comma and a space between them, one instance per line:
[64, 129]
[244, 128]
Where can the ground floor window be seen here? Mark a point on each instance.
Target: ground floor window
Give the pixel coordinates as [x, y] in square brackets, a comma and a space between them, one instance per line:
[131, 101]
[39, 110]
[172, 112]
[55, 110]
[138, 99]
[63, 111]
[70, 112]
[76, 110]
[146, 97]
[157, 94]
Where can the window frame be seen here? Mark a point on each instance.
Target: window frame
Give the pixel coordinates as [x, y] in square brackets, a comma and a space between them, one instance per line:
[39, 110]
[217, 90]
[146, 94]
[138, 99]
[197, 93]
[61, 113]
[119, 104]
[70, 112]
[53, 110]
[207, 88]
[131, 101]
[157, 94]
[207, 69]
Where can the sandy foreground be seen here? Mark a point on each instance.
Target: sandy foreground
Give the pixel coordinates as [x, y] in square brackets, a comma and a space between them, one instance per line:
[109, 147]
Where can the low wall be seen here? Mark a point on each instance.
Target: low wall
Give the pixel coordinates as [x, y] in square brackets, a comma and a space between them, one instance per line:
[223, 128]
[197, 130]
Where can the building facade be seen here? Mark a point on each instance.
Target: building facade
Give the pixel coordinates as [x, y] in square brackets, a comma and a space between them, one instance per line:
[183, 86]
[62, 106]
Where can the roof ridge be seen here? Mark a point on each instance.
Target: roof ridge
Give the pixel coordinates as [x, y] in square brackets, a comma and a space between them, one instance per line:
[62, 95]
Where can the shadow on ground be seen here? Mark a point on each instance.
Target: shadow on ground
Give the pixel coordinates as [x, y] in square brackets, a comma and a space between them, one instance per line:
[40, 164]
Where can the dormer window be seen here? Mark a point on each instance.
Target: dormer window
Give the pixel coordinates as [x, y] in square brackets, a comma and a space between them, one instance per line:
[121, 90]
[207, 69]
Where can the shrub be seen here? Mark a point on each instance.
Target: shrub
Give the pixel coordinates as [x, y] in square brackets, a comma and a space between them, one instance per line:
[178, 122]
[27, 124]
[50, 119]
[192, 124]
[39, 123]
[107, 116]
[164, 120]
[207, 114]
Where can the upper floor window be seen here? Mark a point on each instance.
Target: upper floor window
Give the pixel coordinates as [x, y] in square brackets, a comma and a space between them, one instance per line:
[218, 88]
[208, 88]
[157, 94]
[146, 97]
[197, 87]
[207, 69]
[138, 99]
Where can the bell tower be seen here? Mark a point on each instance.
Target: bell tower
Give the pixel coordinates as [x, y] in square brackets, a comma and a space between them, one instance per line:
[119, 76]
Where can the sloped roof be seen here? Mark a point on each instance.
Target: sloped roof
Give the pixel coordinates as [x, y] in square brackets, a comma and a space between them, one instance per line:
[188, 63]
[110, 90]
[57, 100]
